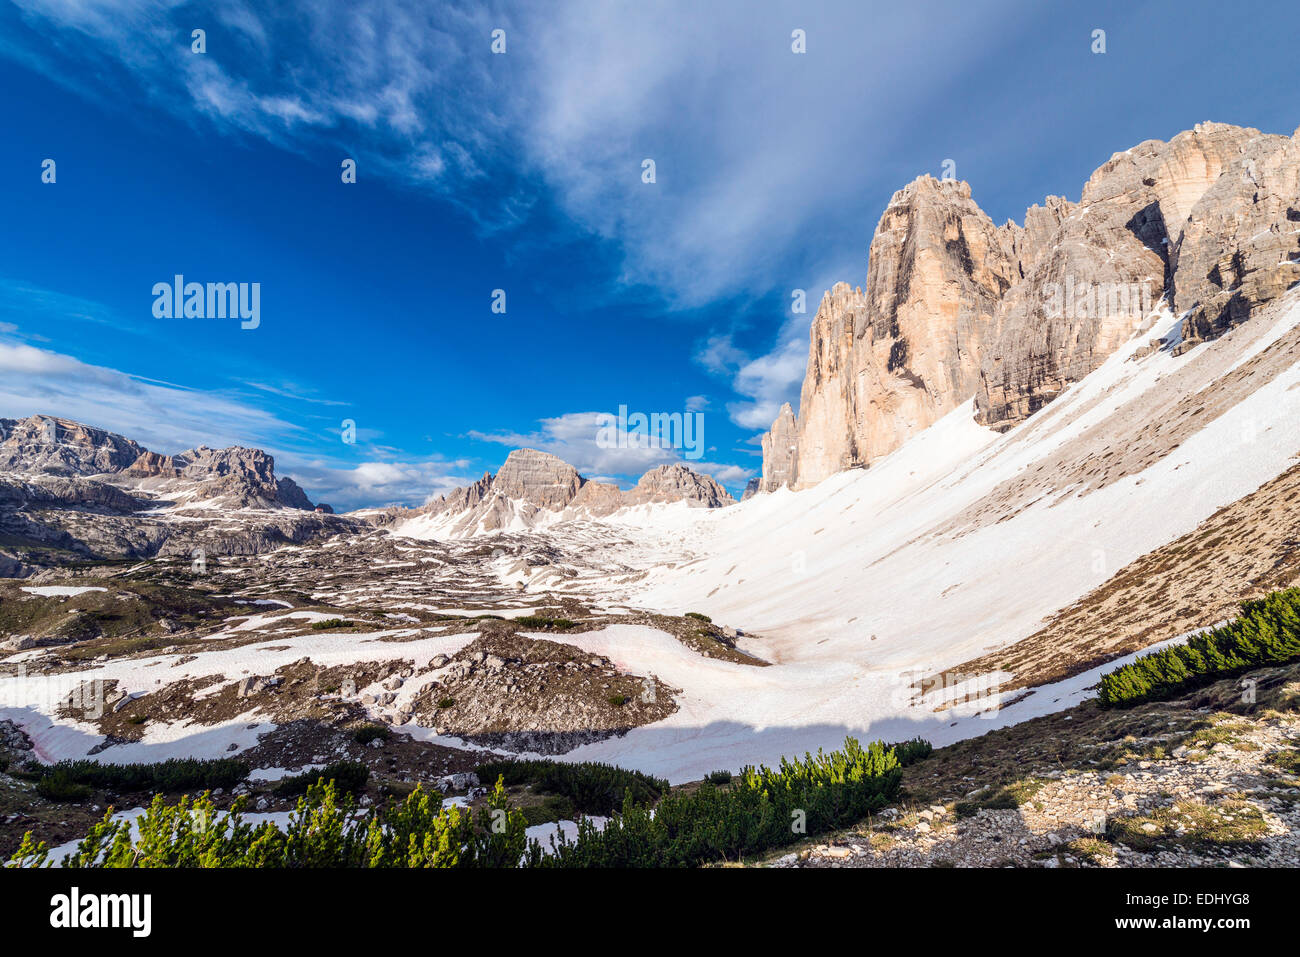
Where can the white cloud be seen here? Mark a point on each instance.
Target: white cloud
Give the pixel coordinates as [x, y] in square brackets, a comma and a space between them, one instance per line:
[375, 483]
[170, 418]
[576, 438]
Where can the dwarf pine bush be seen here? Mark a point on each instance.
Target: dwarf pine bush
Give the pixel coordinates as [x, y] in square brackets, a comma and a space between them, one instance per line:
[1267, 632]
[762, 808]
[326, 829]
[594, 788]
[175, 774]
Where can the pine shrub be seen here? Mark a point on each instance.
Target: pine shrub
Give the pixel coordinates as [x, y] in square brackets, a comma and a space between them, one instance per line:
[1267, 632]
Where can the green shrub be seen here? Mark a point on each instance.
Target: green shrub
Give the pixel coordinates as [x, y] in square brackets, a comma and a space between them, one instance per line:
[718, 777]
[176, 774]
[1267, 632]
[541, 621]
[369, 732]
[329, 623]
[446, 703]
[909, 752]
[618, 700]
[554, 808]
[699, 617]
[346, 776]
[593, 788]
[762, 809]
[59, 786]
[324, 830]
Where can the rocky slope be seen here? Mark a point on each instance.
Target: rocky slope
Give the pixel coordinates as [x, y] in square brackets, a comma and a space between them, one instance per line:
[1205, 780]
[954, 307]
[534, 489]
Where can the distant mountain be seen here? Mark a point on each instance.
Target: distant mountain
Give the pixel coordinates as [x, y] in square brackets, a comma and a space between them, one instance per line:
[534, 489]
[70, 491]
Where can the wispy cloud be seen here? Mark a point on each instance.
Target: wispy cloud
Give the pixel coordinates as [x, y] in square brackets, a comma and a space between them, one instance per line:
[759, 151]
[575, 437]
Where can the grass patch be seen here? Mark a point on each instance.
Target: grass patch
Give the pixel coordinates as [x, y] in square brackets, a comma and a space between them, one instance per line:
[553, 808]
[1232, 826]
[330, 623]
[371, 732]
[1009, 797]
[1091, 849]
[1288, 759]
[699, 617]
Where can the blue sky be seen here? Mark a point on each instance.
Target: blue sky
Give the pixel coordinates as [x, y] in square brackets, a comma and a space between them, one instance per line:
[522, 172]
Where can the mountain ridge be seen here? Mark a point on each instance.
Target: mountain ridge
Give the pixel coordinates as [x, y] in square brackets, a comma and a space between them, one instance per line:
[537, 488]
[955, 307]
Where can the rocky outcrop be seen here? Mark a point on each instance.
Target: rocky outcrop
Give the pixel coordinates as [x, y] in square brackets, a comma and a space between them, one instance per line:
[1102, 272]
[540, 478]
[136, 503]
[677, 483]
[954, 308]
[54, 446]
[887, 362]
[536, 488]
[751, 488]
[780, 451]
[1239, 247]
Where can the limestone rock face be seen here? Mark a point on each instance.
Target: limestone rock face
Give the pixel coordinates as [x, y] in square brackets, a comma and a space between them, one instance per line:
[539, 478]
[888, 362]
[78, 489]
[535, 489]
[47, 444]
[153, 465]
[780, 451]
[1024, 244]
[677, 483]
[1240, 245]
[598, 498]
[1100, 273]
[751, 488]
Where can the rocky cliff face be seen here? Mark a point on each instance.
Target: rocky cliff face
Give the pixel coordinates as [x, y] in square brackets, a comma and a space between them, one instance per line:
[43, 445]
[780, 451]
[887, 362]
[1101, 272]
[1239, 246]
[677, 483]
[539, 478]
[954, 307]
